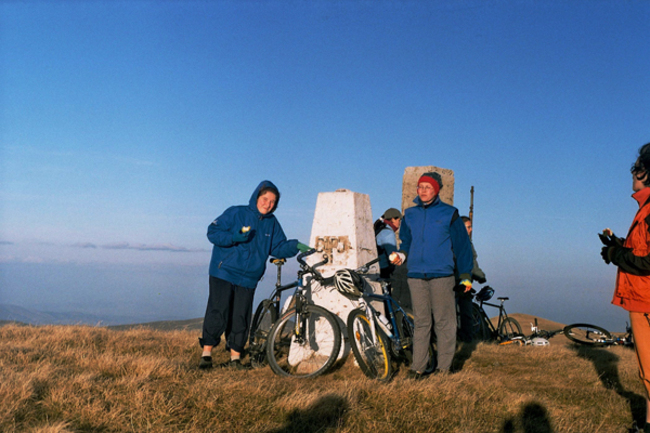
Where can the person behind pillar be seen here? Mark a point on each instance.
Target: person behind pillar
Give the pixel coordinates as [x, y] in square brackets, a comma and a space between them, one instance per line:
[385, 229]
[243, 238]
[467, 332]
[435, 242]
[632, 257]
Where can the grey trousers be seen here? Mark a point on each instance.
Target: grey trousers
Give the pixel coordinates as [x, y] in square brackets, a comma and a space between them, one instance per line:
[433, 297]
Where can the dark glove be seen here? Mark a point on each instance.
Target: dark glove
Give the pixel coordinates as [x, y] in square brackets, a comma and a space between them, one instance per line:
[240, 237]
[606, 253]
[303, 248]
[480, 280]
[610, 241]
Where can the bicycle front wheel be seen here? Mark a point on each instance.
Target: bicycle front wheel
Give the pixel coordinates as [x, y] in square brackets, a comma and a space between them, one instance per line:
[509, 329]
[373, 356]
[590, 335]
[306, 348]
[263, 320]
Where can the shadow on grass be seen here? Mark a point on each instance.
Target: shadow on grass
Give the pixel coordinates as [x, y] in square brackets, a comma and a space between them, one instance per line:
[606, 367]
[532, 419]
[327, 412]
[463, 354]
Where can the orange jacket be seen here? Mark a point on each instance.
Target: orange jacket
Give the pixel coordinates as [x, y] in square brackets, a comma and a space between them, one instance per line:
[633, 277]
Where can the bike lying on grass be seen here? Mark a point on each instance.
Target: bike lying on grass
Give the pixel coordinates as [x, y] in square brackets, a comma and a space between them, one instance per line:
[304, 340]
[539, 337]
[378, 341]
[592, 335]
[506, 328]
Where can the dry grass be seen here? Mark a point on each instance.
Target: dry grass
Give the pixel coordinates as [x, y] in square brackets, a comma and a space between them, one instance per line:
[59, 379]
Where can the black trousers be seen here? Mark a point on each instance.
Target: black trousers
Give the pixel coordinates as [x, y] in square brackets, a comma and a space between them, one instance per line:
[229, 310]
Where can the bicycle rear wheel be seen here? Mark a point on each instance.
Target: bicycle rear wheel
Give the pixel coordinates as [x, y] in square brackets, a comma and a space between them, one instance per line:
[373, 357]
[509, 329]
[590, 335]
[310, 353]
[263, 320]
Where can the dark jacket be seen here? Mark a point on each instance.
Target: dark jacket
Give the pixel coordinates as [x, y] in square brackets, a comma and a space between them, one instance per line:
[244, 264]
[435, 241]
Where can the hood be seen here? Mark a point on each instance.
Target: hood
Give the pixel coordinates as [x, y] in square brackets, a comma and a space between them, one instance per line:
[252, 203]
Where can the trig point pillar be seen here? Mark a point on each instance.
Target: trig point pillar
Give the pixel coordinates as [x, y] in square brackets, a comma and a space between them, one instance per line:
[342, 229]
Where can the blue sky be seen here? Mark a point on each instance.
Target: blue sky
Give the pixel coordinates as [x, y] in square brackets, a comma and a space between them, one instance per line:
[126, 127]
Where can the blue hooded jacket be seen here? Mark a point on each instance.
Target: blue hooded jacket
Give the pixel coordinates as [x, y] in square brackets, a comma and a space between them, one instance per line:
[243, 264]
[435, 241]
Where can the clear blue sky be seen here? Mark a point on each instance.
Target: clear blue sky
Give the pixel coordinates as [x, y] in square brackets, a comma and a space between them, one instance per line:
[127, 127]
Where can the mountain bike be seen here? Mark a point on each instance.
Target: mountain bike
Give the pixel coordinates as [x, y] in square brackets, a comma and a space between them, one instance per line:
[378, 341]
[592, 335]
[506, 328]
[539, 337]
[305, 340]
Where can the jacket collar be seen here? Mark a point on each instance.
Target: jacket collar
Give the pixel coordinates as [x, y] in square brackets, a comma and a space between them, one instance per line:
[642, 196]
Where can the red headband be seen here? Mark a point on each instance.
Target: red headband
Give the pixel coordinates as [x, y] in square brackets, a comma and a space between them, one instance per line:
[428, 179]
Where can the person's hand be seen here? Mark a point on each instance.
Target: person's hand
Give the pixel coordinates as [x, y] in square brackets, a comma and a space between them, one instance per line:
[467, 284]
[608, 239]
[481, 280]
[303, 248]
[240, 237]
[397, 258]
[606, 254]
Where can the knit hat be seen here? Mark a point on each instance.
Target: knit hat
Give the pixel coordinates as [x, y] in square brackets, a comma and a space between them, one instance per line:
[432, 178]
[391, 213]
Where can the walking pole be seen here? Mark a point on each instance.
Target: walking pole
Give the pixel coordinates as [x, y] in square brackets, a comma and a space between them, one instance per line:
[471, 208]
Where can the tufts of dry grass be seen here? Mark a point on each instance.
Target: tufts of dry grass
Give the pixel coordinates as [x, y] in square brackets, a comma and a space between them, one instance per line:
[58, 379]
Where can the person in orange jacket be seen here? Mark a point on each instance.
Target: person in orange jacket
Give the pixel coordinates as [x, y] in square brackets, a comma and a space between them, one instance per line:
[632, 256]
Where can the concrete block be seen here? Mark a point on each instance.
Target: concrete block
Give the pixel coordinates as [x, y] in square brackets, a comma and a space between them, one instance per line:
[410, 184]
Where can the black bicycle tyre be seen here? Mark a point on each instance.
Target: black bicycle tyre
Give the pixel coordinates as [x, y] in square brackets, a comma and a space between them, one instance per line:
[581, 333]
[263, 319]
[509, 328]
[375, 361]
[321, 346]
[482, 329]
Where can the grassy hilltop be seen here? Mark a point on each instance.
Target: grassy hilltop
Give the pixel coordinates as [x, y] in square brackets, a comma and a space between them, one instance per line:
[59, 379]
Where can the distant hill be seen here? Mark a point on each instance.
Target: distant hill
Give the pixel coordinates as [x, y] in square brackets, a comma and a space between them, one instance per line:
[166, 325]
[15, 313]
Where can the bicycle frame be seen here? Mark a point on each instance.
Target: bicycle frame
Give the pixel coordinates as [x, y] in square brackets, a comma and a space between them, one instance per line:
[392, 307]
[502, 314]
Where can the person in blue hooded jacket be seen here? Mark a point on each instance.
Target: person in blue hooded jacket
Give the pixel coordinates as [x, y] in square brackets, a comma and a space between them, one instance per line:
[435, 240]
[243, 238]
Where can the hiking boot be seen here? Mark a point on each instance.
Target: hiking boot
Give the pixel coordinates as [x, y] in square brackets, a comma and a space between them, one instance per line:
[234, 364]
[206, 362]
[414, 375]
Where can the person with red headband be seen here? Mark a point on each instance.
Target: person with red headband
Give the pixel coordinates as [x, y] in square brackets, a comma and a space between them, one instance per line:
[435, 240]
[632, 257]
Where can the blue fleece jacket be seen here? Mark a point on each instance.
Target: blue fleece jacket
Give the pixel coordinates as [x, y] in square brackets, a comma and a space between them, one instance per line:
[435, 241]
[244, 263]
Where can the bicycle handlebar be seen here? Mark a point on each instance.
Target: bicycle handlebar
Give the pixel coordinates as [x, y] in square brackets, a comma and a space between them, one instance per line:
[312, 269]
[365, 268]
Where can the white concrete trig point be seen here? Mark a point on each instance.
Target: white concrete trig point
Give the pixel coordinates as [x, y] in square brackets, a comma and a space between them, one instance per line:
[342, 229]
